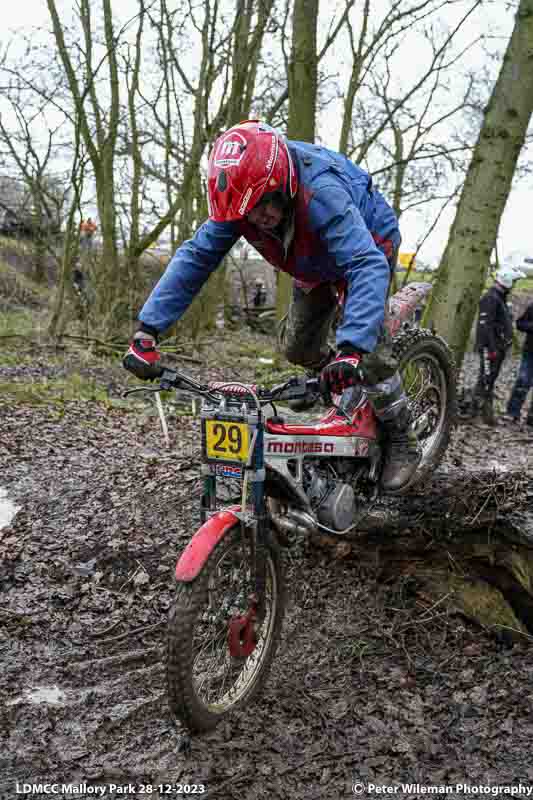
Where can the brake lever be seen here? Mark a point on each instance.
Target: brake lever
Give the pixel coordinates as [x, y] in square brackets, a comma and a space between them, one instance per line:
[140, 389]
[275, 391]
[294, 389]
[171, 379]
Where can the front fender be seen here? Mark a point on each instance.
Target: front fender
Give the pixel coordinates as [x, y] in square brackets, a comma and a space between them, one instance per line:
[203, 543]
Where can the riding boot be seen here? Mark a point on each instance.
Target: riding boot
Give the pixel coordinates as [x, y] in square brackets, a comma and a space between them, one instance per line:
[402, 451]
[402, 454]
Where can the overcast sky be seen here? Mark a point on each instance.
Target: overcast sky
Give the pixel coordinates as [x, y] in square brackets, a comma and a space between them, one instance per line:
[516, 231]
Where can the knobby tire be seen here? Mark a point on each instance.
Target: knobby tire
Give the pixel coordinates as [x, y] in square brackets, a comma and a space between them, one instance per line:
[191, 601]
[417, 343]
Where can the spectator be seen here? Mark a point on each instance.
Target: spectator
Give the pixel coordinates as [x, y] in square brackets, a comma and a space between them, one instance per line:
[78, 280]
[524, 380]
[260, 294]
[493, 338]
[87, 231]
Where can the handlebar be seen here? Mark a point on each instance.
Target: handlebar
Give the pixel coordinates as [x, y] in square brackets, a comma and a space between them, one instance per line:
[294, 388]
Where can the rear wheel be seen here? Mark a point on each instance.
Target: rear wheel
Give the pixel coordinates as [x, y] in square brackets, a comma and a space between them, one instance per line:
[428, 373]
[218, 653]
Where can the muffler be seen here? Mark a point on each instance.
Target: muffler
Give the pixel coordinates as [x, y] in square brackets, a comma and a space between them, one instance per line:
[294, 521]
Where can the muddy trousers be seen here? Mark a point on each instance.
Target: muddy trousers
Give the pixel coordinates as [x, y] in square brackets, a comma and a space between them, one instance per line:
[305, 342]
[488, 373]
[484, 392]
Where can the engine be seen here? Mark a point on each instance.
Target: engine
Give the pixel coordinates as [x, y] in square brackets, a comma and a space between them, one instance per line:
[330, 493]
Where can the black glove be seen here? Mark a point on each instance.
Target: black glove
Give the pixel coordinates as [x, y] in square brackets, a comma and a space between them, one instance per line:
[340, 374]
[142, 358]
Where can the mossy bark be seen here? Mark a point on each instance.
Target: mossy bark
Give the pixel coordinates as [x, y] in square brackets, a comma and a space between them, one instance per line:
[464, 265]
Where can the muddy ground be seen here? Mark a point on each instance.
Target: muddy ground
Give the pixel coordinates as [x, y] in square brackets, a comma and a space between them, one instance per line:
[369, 684]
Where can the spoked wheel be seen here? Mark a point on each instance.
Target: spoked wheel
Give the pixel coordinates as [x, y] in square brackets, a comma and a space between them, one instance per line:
[428, 373]
[219, 649]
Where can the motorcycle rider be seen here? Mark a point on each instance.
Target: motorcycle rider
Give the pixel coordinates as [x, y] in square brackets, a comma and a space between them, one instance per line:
[314, 214]
[494, 336]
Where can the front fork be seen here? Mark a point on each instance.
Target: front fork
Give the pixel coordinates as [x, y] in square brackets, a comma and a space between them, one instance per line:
[242, 634]
[259, 528]
[254, 522]
[208, 499]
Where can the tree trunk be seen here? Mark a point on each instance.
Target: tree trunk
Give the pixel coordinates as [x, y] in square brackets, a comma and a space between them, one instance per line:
[303, 72]
[70, 239]
[465, 262]
[283, 294]
[39, 257]
[302, 78]
[247, 44]
[355, 80]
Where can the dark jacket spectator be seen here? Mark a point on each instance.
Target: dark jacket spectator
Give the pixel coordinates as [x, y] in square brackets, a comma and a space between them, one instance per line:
[260, 294]
[495, 322]
[494, 336]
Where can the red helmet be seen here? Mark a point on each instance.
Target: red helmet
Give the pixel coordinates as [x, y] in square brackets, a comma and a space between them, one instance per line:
[249, 160]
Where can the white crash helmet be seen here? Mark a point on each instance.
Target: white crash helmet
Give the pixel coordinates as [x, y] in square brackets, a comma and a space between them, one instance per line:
[508, 274]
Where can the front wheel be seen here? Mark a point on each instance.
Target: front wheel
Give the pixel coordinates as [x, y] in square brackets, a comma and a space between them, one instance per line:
[428, 373]
[219, 653]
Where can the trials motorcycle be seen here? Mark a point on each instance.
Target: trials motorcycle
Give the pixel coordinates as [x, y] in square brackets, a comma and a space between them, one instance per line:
[294, 478]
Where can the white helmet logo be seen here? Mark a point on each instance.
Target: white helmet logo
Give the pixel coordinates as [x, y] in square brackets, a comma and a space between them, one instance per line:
[230, 150]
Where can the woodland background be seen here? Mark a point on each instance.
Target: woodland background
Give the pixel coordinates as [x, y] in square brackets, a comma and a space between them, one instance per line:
[117, 114]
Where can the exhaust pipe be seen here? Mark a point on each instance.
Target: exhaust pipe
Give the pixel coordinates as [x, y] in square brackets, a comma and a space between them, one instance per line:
[295, 521]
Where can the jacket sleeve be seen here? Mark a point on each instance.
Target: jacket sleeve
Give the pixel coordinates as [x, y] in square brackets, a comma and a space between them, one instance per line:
[341, 227]
[488, 308]
[192, 264]
[525, 322]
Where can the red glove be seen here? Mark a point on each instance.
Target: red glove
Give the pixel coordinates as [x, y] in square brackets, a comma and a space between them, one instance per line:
[340, 374]
[492, 355]
[142, 357]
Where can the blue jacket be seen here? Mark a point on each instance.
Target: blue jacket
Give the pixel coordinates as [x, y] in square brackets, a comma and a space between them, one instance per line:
[344, 230]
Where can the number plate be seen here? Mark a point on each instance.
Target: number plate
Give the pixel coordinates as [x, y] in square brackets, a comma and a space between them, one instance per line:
[226, 440]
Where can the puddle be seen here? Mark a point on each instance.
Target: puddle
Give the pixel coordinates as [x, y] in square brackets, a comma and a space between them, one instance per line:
[497, 466]
[50, 695]
[7, 509]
